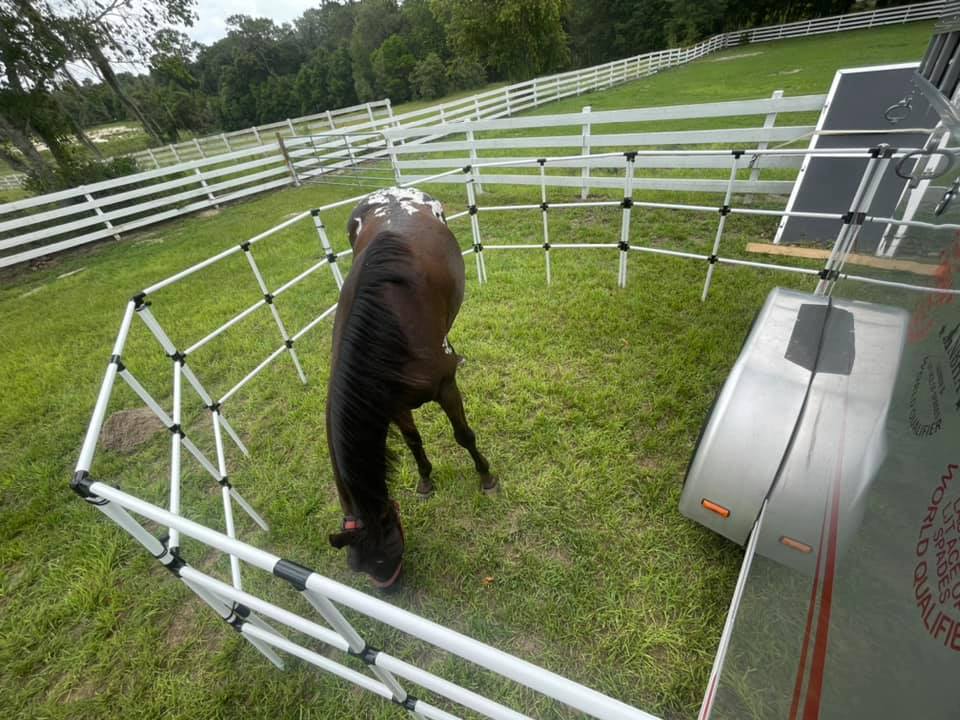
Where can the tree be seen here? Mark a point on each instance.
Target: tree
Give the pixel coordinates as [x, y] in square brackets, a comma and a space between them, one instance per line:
[375, 21]
[392, 65]
[515, 39]
[311, 86]
[340, 79]
[429, 77]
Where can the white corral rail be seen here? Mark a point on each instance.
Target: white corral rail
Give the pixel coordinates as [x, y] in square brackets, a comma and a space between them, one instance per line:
[247, 613]
[43, 225]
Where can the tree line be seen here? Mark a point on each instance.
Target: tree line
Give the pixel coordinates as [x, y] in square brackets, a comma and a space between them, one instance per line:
[333, 55]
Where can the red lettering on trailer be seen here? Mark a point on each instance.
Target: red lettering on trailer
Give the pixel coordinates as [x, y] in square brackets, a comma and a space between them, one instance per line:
[921, 321]
[936, 576]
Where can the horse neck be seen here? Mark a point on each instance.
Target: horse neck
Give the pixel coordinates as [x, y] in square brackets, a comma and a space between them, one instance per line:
[368, 377]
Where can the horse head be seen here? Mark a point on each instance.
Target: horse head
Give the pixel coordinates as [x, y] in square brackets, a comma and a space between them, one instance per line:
[374, 550]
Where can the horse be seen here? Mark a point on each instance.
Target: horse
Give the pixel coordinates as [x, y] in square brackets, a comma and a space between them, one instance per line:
[390, 356]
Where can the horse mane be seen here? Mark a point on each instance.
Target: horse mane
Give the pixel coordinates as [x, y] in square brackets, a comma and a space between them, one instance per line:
[368, 377]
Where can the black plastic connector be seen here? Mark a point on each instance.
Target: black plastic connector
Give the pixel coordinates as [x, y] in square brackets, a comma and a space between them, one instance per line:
[546, 246]
[289, 343]
[544, 206]
[889, 152]
[115, 360]
[737, 153]
[293, 573]
[712, 259]
[473, 209]
[245, 246]
[541, 161]
[238, 616]
[268, 298]
[139, 301]
[368, 654]
[315, 212]
[176, 562]
[826, 274]
[626, 203]
[178, 356]
[467, 168]
[724, 210]
[213, 407]
[860, 218]
[225, 482]
[332, 258]
[80, 483]
[177, 430]
[877, 151]
[623, 245]
[478, 247]
[630, 155]
[409, 704]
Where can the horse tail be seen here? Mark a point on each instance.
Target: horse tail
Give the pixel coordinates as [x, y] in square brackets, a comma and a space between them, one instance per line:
[368, 377]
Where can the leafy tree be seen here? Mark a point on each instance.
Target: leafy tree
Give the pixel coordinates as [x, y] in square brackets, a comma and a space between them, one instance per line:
[515, 39]
[465, 74]
[275, 99]
[392, 65]
[340, 79]
[375, 21]
[311, 86]
[429, 77]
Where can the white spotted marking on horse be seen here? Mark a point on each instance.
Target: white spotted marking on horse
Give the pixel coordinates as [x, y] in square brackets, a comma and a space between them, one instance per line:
[409, 199]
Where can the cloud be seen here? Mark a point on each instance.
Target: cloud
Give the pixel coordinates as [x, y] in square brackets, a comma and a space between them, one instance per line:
[211, 24]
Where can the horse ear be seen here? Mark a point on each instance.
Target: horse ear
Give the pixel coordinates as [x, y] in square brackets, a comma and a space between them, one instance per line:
[344, 538]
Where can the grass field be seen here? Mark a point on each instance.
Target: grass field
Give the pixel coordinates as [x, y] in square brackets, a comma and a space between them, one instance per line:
[585, 398]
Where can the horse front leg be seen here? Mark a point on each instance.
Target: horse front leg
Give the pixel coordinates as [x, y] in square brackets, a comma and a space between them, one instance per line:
[408, 428]
[452, 403]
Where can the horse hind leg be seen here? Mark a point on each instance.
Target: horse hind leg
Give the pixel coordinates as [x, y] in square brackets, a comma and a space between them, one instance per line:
[408, 428]
[452, 403]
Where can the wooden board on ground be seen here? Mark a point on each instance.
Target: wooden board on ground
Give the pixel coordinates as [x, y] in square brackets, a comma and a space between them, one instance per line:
[911, 266]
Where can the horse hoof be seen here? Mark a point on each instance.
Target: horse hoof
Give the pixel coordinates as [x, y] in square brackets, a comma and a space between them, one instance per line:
[425, 490]
[424, 496]
[491, 487]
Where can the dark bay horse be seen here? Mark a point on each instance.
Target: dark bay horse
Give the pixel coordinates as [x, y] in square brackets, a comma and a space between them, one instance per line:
[391, 355]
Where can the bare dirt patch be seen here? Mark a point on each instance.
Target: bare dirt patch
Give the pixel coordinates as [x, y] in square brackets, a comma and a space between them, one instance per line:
[126, 430]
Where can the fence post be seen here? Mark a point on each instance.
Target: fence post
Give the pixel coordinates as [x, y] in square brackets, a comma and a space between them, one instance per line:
[769, 122]
[174, 151]
[393, 159]
[585, 150]
[100, 213]
[223, 136]
[154, 158]
[370, 114]
[473, 159]
[333, 125]
[557, 87]
[286, 159]
[509, 110]
[199, 148]
[256, 134]
[476, 107]
[203, 182]
[536, 100]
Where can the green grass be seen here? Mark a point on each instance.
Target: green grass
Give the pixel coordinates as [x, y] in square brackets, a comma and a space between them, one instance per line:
[586, 399]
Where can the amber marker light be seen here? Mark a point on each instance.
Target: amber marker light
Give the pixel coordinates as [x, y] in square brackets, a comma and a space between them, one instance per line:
[714, 508]
[795, 544]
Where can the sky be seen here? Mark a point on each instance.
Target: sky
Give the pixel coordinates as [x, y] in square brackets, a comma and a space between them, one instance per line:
[212, 22]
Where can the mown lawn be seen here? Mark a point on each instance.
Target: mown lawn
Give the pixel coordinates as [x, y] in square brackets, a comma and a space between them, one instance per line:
[586, 398]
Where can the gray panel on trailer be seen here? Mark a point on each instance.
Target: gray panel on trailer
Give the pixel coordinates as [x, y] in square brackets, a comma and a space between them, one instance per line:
[859, 100]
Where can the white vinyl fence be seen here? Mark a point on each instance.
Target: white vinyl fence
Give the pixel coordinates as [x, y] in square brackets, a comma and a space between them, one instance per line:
[47, 224]
[575, 135]
[374, 114]
[43, 225]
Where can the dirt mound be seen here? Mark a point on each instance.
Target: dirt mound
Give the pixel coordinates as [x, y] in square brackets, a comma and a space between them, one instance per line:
[126, 430]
